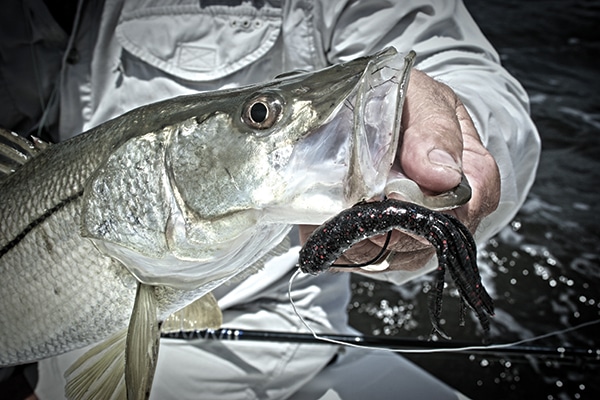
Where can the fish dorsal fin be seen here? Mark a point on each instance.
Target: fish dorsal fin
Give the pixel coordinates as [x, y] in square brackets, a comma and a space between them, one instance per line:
[203, 313]
[15, 150]
[100, 372]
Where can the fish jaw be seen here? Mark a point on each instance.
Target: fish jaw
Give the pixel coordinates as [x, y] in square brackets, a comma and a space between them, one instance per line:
[348, 159]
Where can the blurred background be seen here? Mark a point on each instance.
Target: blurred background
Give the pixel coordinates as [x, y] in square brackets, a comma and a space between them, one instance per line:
[544, 269]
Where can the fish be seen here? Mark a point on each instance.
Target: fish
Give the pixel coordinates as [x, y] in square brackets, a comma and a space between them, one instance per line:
[454, 244]
[108, 235]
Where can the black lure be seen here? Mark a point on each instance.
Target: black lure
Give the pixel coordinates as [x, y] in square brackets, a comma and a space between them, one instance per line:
[454, 244]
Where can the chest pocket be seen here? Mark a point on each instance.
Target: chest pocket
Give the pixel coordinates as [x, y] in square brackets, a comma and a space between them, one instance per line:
[199, 43]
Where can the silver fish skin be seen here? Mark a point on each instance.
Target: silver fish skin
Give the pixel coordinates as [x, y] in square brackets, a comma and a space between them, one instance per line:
[183, 195]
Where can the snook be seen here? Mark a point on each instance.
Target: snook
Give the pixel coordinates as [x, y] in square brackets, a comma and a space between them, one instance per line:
[119, 227]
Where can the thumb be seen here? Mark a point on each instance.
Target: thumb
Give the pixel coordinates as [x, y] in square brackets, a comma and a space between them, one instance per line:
[432, 143]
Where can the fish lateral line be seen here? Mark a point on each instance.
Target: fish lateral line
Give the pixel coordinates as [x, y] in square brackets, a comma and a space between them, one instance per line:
[37, 222]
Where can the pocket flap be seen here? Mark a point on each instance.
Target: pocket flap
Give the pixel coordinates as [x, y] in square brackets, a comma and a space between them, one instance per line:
[199, 44]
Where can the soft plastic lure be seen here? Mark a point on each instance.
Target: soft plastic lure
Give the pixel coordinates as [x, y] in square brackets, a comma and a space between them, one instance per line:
[454, 244]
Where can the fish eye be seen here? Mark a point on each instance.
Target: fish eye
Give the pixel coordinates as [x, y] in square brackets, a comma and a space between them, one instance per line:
[261, 112]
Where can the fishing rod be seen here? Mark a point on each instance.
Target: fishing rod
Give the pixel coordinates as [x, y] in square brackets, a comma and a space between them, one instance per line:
[406, 345]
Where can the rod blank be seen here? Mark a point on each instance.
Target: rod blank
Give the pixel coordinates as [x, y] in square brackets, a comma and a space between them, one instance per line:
[589, 354]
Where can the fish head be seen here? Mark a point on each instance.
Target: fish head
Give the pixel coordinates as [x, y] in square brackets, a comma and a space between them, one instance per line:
[239, 167]
[296, 150]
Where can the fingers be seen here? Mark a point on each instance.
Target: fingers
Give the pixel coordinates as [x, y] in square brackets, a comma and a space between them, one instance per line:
[432, 144]
[411, 252]
[439, 144]
[484, 177]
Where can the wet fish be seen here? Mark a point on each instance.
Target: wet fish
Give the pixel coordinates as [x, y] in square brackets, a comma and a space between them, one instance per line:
[108, 234]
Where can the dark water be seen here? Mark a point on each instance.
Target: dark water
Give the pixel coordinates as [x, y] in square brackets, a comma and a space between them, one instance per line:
[544, 269]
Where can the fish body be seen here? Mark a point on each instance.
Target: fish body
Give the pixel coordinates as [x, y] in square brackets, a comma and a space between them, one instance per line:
[172, 199]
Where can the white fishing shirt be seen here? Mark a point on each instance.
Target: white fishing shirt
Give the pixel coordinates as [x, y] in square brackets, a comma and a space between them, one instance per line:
[124, 54]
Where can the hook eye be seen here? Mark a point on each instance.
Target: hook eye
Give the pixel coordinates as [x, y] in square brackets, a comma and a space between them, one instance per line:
[262, 111]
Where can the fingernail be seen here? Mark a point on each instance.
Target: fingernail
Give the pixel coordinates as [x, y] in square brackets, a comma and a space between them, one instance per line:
[443, 158]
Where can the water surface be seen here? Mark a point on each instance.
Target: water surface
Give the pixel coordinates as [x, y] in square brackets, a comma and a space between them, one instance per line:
[544, 269]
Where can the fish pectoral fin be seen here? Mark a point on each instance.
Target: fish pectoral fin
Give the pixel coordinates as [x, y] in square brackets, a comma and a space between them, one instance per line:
[203, 313]
[122, 367]
[100, 372]
[141, 348]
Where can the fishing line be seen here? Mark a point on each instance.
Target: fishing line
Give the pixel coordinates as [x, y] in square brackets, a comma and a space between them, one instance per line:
[376, 260]
[428, 351]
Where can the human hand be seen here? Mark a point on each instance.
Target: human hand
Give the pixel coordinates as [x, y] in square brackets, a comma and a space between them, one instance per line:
[439, 144]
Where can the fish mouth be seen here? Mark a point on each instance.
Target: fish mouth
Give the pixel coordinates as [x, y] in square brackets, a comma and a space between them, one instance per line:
[349, 157]
[376, 131]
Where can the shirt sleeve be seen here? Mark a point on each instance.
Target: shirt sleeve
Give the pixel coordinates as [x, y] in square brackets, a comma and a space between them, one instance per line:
[452, 49]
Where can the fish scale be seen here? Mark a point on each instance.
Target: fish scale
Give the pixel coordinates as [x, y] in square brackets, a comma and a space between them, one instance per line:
[101, 295]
